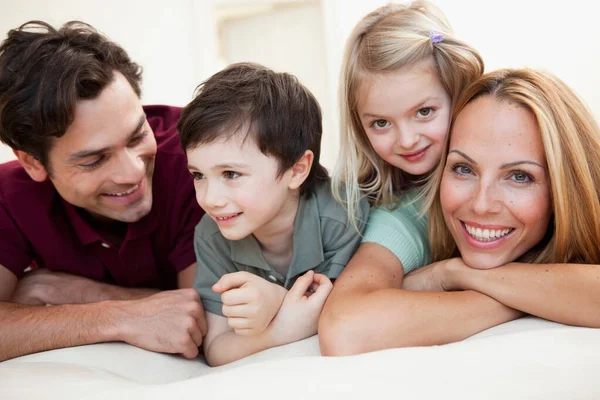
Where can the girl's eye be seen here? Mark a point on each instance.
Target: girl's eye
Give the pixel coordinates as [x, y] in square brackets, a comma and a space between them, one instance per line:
[461, 169]
[521, 177]
[231, 174]
[197, 176]
[425, 112]
[380, 124]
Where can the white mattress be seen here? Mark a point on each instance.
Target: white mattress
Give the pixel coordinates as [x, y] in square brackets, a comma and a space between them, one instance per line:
[525, 359]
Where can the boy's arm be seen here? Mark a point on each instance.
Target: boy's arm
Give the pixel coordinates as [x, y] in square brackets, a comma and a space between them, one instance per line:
[296, 320]
[249, 302]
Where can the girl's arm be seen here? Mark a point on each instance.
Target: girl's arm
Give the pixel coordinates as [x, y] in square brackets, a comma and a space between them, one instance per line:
[565, 293]
[368, 311]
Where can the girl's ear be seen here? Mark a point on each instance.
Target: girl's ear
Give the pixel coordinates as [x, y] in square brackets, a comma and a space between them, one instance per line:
[34, 168]
[301, 169]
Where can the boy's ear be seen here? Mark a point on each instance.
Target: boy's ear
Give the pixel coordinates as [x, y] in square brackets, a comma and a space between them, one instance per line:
[301, 169]
[34, 168]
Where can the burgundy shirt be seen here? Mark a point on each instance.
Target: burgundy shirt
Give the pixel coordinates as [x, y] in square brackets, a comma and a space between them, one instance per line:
[38, 226]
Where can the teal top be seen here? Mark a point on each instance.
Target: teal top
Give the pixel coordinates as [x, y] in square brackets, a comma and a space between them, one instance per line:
[402, 231]
[324, 241]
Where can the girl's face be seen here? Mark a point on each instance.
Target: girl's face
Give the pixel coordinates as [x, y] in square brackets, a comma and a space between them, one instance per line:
[495, 190]
[406, 115]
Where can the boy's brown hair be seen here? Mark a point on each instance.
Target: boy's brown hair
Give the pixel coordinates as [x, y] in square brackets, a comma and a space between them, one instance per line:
[275, 109]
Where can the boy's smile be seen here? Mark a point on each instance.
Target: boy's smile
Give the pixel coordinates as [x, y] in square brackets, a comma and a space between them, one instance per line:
[239, 187]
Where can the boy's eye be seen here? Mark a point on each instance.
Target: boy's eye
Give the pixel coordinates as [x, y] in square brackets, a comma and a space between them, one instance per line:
[380, 124]
[197, 176]
[425, 112]
[231, 174]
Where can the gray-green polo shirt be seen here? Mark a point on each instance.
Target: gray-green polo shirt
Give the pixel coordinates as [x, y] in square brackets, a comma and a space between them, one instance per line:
[324, 241]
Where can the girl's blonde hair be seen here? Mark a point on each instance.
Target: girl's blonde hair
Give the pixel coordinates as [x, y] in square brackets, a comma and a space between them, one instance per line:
[571, 140]
[388, 39]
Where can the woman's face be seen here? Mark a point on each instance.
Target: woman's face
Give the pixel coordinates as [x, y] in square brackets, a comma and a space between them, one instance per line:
[495, 190]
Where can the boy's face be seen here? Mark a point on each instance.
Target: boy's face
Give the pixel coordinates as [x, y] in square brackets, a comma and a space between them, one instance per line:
[238, 187]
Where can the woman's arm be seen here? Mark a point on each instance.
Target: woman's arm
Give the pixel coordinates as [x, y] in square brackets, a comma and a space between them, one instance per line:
[565, 293]
[368, 311]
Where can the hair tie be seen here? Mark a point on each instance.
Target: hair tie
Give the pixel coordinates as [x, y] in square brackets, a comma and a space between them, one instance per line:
[435, 37]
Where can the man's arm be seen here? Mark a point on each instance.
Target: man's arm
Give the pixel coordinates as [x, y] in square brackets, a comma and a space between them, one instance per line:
[368, 311]
[167, 322]
[565, 293]
[41, 287]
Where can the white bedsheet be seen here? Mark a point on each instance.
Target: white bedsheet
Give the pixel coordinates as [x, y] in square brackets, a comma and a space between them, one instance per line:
[525, 359]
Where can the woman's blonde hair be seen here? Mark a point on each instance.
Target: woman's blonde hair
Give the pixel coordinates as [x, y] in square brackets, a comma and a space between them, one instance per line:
[571, 140]
[388, 39]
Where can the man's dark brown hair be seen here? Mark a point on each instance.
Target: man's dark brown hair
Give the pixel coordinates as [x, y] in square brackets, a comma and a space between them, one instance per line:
[275, 110]
[44, 72]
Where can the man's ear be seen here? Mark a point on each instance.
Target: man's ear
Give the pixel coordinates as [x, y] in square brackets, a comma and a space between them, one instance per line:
[301, 169]
[34, 168]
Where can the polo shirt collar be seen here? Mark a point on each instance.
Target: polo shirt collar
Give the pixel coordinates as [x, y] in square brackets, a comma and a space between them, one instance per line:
[308, 244]
[87, 235]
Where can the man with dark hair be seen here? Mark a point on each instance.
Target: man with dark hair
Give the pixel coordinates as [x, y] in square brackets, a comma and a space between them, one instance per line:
[273, 234]
[100, 204]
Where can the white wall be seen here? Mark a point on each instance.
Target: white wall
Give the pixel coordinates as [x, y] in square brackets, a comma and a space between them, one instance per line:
[177, 42]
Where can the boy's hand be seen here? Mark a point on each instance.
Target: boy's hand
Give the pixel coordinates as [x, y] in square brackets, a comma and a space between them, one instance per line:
[299, 314]
[249, 301]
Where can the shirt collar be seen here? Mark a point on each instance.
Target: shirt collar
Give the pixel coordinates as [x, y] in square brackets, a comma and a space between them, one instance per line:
[308, 245]
[87, 235]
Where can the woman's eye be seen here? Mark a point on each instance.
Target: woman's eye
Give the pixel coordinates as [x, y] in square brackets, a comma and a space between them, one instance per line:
[522, 177]
[425, 112]
[380, 124]
[461, 169]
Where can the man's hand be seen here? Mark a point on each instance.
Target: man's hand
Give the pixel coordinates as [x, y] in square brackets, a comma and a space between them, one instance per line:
[249, 301]
[44, 287]
[167, 322]
[440, 276]
[298, 316]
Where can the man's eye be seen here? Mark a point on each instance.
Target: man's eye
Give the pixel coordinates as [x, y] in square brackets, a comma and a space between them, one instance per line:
[138, 139]
[94, 164]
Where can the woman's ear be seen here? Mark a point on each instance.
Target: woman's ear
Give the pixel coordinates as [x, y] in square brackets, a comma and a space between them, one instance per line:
[34, 168]
[301, 169]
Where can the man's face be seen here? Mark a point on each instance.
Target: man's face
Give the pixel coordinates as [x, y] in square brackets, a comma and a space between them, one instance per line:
[105, 161]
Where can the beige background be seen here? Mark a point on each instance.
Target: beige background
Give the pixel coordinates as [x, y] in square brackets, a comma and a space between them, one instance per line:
[182, 42]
